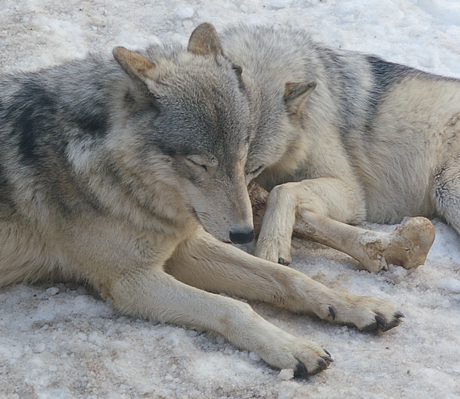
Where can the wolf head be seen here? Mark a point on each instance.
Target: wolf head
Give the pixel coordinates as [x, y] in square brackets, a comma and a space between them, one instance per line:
[191, 115]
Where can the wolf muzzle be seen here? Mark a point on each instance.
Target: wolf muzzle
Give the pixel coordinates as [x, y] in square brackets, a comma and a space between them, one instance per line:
[242, 237]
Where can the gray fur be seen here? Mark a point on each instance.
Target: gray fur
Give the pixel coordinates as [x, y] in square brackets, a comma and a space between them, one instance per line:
[374, 141]
[128, 173]
[352, 94]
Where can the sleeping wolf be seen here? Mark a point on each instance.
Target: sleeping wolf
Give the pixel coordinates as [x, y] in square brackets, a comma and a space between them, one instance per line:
[131, 174]
[343, 137]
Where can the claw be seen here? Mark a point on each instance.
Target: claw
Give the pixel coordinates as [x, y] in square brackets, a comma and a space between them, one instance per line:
[399, 315]
[322, 364]
[396, 322]
[332, 312]
[281, 261]
[375, 327]
[328, 358]
[381, 325]
[300, 371]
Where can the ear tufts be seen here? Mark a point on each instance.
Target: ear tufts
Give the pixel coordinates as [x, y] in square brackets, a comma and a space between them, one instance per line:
[204, 41]
[134, 64]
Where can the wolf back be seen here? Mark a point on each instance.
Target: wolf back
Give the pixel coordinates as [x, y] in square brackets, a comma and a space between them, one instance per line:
[386, 124]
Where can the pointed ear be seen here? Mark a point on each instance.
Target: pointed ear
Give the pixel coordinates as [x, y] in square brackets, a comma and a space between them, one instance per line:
[204, 41]
[134, 64]
[295, 95]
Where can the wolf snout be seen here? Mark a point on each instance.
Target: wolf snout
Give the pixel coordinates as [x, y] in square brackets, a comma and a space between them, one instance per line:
[242, 236]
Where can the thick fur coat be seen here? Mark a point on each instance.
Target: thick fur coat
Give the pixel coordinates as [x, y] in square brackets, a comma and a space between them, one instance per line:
[130, 174]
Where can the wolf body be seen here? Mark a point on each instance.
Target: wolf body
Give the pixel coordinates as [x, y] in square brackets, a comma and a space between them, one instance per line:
[130, 175]
[374, 140]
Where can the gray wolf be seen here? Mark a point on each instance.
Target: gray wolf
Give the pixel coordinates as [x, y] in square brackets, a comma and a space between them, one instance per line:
[130, 174]
[343, 137]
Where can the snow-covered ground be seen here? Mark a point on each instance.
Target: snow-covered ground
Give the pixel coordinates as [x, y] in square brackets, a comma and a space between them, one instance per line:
[61, 341]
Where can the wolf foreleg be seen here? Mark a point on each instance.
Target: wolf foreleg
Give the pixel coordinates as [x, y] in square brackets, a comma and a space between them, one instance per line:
[406, 246]
[158, 296]
[329, 197]
[209, 264]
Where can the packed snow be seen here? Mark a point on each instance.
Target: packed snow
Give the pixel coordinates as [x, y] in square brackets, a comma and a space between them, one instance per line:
[62, 341]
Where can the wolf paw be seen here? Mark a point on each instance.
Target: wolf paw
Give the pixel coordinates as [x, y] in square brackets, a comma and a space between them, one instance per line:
[300, 371]
[304, 357]
[274, 249]
[365, 313]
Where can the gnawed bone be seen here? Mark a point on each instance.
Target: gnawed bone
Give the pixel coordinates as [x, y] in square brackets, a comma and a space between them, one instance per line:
[406, 246]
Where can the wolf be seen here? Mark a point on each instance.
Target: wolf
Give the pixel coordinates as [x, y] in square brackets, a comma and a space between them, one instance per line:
[129, 173]
[342, 138]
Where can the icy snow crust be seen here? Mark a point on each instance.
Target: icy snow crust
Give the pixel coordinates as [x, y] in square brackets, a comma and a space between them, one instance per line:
[61, 341]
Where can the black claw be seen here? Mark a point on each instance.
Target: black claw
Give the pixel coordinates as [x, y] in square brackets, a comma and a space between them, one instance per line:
[332, 312]
[399, 315]
[381, 325]
[395, 322]
[328, 358]
[300, 371]
[380, 321]
[281, 261]
[371, 327]
[322, 363]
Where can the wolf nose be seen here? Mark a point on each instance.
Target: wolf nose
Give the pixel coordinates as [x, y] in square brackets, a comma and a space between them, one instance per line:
[241, 237]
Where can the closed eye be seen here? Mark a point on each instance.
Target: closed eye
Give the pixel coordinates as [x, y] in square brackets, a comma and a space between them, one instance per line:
[238, 70]
[195, 161]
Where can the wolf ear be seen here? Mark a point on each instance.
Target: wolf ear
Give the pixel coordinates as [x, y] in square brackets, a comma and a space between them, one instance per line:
[134, 64]
[204, 41]
[295, 95]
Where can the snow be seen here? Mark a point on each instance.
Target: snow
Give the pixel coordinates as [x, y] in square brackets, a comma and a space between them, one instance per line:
[62, 341]
[185, 13]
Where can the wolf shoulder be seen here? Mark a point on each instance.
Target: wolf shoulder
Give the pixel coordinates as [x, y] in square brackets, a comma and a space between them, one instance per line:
[352, 84]
[376, 122]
